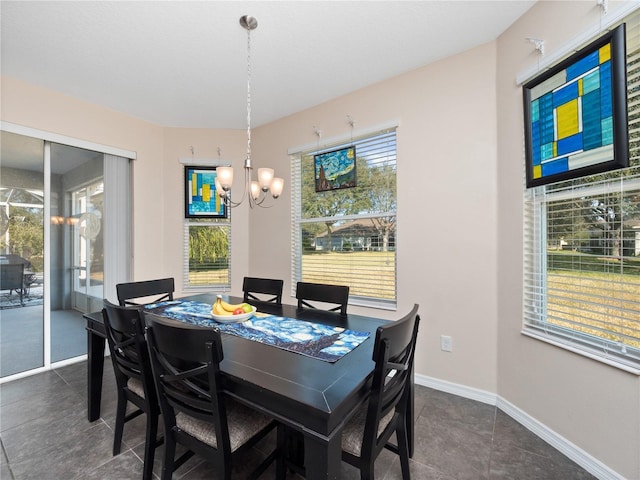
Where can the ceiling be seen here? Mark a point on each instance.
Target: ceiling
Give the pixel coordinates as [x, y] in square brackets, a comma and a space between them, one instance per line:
[184, 63]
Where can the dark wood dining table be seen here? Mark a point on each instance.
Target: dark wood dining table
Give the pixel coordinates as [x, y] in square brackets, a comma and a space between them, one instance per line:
[311, 396]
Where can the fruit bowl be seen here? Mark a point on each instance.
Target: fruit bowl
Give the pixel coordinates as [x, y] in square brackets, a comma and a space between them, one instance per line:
[234, 318]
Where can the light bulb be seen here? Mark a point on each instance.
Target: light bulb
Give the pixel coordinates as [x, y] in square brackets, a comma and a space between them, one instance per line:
[265, 176]
[219, 188]
[255, 190]
[225, 176]
[277, 186]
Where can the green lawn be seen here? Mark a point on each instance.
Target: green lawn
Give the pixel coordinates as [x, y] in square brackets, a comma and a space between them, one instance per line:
[569, 260]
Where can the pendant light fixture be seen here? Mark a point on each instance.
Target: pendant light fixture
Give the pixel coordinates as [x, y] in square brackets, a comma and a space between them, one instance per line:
[256, 191]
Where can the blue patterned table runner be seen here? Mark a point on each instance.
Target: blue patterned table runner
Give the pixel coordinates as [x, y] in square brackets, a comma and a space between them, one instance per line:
[323, 342]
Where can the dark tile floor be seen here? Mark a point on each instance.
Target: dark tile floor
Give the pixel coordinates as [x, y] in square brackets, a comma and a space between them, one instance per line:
[45, 435]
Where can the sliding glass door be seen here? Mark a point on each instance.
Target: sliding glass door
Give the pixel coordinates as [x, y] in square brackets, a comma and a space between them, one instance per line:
[53, 199]
[22, 213]
[76, 272]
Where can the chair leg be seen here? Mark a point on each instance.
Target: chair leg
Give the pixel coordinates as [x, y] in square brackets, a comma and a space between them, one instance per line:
[366, 471]
[150, 446]
[403, 450]
[169, 456]
[121, 411]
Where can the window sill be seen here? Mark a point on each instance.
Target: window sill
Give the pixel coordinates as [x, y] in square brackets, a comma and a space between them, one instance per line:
[626, 365]
[379, 304]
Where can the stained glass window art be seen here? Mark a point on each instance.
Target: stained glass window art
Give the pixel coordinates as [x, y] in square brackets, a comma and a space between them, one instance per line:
[201, 198]
[575, 114]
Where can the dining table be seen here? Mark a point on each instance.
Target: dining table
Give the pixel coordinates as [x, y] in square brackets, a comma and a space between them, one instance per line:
[308, 395]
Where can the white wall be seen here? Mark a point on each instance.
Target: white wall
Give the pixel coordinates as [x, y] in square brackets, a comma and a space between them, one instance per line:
[593, 406]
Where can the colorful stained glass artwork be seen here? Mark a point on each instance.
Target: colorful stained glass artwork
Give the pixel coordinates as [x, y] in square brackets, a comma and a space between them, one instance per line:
[201, 198]
[571, 111]
[335, 169]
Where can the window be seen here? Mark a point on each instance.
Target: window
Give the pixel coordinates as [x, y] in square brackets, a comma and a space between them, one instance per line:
[347, 236]
[582, 251]
[207, 253]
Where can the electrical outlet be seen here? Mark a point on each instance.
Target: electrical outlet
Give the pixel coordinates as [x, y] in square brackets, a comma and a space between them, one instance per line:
[446, 343]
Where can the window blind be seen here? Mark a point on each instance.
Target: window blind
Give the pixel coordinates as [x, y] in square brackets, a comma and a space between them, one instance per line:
[347, 236]
[117, 204]
[582, 250]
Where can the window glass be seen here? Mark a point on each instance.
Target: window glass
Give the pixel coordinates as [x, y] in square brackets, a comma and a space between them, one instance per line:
[207, 255]
[346, 235]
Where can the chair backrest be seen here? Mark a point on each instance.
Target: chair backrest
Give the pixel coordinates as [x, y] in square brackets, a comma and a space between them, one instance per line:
[186, 366]
[320, 292]
[11, 276]
[151, 291]
[393, 354]
[268, 290]
[124, 327]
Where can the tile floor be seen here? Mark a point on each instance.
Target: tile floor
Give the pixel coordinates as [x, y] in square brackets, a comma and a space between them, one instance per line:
[20, 352]
[45, 435]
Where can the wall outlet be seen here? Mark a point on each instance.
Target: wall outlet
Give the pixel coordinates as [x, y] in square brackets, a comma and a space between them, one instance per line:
[446, 343]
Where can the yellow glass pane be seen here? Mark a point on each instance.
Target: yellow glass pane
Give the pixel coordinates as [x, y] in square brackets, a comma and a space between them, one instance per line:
[567, 117]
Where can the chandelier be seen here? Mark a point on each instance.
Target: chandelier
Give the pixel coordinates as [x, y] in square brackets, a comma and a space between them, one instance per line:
[255, 191]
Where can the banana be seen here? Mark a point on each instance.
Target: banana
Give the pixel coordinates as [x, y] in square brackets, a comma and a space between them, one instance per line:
[218, 310]
[227, 306]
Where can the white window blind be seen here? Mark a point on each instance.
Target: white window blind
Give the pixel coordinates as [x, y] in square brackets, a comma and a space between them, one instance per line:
[117, 233]
[582, 250]
[347, 236]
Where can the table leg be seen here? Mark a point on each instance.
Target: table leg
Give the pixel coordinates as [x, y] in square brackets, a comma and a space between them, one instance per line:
[95, 368]
[322, 457]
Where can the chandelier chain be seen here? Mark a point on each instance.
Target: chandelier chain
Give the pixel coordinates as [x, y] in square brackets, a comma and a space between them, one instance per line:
[254, 191]
[249, 96]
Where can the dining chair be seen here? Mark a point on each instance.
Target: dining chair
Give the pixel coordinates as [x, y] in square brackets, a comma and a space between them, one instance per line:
[320, 292]
[306, 293]
[134, 379]
[262, 290]
[197, 414]
[367, 433]
[151, 291]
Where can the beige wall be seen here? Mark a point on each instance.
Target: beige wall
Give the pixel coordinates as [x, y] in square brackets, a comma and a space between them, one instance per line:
[592, 405]
[446, 239]
[205, 143]
[158, 206]
[446, 180]
[42, 109]
[459, 222]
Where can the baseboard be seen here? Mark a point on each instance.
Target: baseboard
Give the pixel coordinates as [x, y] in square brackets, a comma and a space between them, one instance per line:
[456, 389]
[591, 464]
[564, 446]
